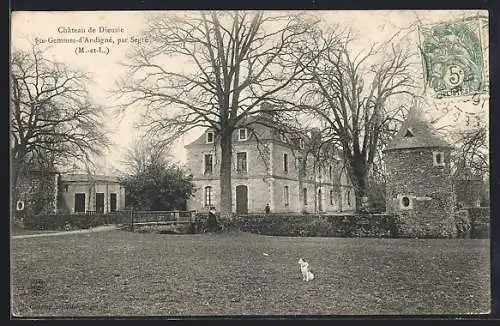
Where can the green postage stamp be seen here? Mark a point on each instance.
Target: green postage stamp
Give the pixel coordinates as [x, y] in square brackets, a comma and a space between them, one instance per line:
[454, 56]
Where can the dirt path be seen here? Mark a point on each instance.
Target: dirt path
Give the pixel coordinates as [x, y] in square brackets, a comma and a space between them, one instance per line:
[96, 229]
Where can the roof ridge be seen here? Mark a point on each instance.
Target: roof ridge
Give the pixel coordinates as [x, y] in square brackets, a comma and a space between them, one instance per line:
[416, 132]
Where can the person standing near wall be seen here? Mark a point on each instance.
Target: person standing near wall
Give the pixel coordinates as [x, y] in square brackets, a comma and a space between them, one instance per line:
[212, 220]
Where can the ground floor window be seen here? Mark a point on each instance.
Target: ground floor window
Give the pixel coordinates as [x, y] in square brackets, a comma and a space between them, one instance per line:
[331, 197]
[208, 196]
[304, 193]
[286, 196]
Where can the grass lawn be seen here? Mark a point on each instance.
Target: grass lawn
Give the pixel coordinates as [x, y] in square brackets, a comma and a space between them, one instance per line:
[123, 273]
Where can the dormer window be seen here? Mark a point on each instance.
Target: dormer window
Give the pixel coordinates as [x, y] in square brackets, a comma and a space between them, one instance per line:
[438, 159]
[409, 133]
[242, 134]
[210, 137]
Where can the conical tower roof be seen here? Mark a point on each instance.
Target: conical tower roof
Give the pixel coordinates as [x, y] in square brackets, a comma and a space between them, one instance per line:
[416, 132]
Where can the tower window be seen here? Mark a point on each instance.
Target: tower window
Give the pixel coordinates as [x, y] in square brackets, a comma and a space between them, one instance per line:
[405, 202]
[438, 159]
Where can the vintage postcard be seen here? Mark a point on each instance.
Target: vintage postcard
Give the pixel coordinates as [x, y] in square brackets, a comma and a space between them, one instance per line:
[264, 163]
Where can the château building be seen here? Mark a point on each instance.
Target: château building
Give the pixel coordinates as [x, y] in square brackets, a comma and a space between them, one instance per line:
[269, 168]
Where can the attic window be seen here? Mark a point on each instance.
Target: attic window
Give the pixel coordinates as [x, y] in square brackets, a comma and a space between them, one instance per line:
[242, 134]
[210, 137]
[409, 133]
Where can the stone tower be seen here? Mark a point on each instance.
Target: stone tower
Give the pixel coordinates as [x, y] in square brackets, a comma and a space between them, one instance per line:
[419, 182]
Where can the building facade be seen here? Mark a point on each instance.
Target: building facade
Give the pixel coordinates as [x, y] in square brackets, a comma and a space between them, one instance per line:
[79, 193]
[49, 192]
[271, 169]
[419, 185]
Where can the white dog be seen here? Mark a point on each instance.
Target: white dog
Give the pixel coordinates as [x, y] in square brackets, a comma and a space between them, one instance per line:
[306, 272]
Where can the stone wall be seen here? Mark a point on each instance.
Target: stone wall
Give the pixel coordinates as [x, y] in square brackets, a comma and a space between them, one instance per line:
[411, 173]
[38, 192]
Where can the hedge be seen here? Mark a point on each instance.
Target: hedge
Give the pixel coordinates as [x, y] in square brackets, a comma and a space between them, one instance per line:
[363, 225]
[68, 221]
[358, 225]
[480, 222]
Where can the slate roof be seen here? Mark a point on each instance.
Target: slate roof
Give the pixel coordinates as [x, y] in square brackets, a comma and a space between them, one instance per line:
[416, 132]
[260, 125]
[85, 178]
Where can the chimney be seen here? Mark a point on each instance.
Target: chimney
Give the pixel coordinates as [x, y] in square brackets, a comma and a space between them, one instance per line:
[267, 108]
[315, 133]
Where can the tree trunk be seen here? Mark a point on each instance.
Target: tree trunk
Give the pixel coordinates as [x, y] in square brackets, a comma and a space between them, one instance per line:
[360, 182]
[226, 199]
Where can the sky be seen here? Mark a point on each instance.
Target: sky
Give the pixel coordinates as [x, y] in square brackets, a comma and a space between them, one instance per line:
[369, 27]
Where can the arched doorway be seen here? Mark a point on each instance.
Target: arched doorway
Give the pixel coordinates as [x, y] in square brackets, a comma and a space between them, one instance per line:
[241, 199]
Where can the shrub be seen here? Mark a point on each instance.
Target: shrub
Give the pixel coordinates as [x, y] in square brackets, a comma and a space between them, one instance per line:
[480, 222]
[462, 223]
[65, 221]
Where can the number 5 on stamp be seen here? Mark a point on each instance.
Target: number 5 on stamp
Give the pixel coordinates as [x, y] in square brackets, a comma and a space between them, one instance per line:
[452, 55]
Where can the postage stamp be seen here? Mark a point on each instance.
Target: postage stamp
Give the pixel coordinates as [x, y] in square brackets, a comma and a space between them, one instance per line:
[453, 55]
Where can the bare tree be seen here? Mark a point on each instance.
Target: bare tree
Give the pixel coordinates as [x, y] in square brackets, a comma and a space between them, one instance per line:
[213, 70]
[352, 98]
[473, 151]
[52, 118]
[142, 153]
